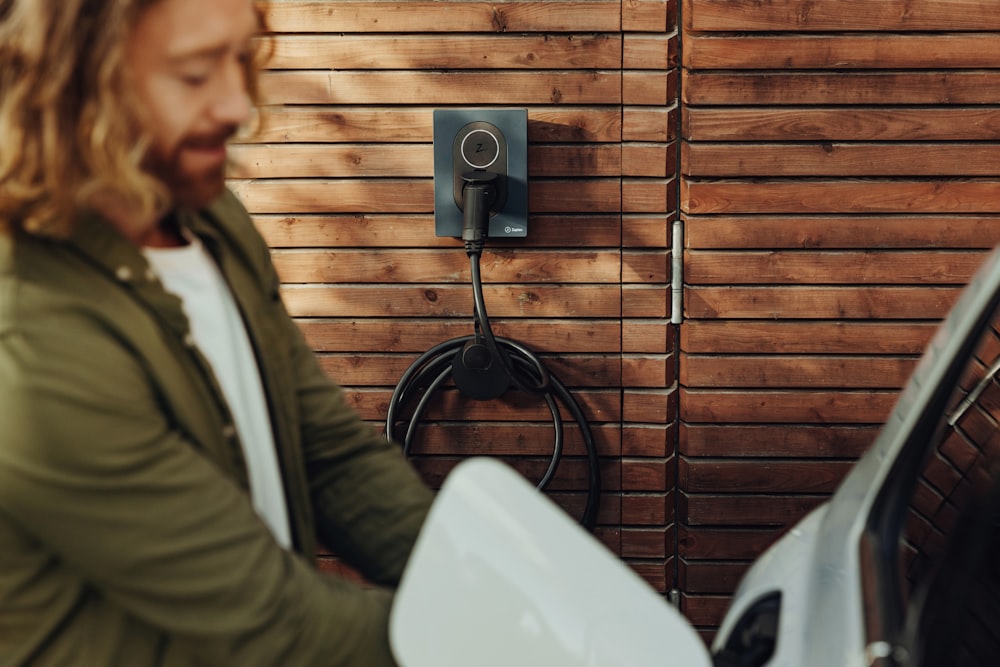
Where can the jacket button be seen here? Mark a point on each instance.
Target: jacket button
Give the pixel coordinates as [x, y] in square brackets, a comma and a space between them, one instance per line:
[229, 431]
[123, 273]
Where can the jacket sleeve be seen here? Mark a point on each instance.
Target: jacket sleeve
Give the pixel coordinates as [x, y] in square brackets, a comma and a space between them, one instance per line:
[369, 503]
[90, 467]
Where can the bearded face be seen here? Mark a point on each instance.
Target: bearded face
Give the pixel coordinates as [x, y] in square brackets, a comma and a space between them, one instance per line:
[187, 63]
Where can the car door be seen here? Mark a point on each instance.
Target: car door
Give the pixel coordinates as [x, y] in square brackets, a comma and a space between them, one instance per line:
[931, 547]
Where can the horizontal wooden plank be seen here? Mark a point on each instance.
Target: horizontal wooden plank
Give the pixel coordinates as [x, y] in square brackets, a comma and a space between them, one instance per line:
[840, 196]
[648, 195]
[645, 301]
[649, 15]
[548, 301]
[310, 16]
[818, 337]
[798, 441]
[808, 372]
[511, 439]
[419, 335]
[648, 159]
[854, 15]
[410, 160]
[599, 405]
[445, 51]
[643, 475]
[331, 160]
[825, 88]
[647, 371]
[648, 440]
[347, 124]
[853, 51]
[644, 543]
[646, 267]
[704, 611]
[583, 160]
[785, 407]
[648, 50]
[840, 159]
[653, 88]
[335, 195]
[593, 195]
[745, 509]
[710, 577]
[760, 476]
[894, 267]
[654, 336]
[649, 406]
[381, 265]
[403, 230]
[855, 123]
[647, 509]
[831, 232]
[394, 195]
[649, 123]
[710, 543]
[608, 515]
[380, 370]
[441, 88]
[647, 231]
[811, 303]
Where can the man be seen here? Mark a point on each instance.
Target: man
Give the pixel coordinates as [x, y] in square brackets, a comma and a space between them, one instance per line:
[170, 451]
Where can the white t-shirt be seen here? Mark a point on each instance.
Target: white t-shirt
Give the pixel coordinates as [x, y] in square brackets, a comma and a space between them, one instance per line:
[191, 274]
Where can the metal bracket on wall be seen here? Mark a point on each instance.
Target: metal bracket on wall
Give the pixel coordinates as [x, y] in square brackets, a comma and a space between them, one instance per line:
[677, 274]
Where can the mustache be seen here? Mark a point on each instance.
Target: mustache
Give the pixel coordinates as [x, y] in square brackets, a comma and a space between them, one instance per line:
[221, 136]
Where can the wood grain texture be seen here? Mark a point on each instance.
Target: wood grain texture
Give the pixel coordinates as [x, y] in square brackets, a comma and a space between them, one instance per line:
[721, 336]
[451, 51]
[403, 16]
[939, 87]
[840, 159]
[545, 301]
[842, 52]
[860, 196]
[441, 88]
[806, 231]
[820, 303]
[855, 15]
[790, 372]
[854, 123]
[807, 267]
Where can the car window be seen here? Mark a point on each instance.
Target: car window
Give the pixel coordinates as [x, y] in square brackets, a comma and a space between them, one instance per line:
[948, 557]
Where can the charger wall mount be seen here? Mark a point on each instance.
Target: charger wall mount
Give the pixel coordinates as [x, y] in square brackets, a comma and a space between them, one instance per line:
[491, 140]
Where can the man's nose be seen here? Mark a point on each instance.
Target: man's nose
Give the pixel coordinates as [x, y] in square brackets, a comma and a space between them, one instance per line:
[232, 106]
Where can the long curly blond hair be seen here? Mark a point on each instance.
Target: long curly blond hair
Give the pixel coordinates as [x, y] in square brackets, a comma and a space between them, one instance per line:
[69, 129]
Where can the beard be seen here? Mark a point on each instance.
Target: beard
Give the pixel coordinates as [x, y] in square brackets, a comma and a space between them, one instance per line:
[190, 186]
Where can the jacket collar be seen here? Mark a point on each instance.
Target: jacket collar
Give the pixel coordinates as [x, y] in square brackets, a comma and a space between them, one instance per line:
[111, 253]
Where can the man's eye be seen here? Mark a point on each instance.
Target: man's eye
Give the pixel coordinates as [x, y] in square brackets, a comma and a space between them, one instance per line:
[193, 79]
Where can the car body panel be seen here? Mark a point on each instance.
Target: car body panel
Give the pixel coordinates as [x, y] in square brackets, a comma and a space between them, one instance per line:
[501, 576]
[816, 566]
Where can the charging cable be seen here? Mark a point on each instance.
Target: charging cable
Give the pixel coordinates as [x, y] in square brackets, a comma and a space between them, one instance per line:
[484, 366]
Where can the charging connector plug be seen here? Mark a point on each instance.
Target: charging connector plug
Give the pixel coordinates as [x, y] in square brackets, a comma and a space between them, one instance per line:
[479, 193]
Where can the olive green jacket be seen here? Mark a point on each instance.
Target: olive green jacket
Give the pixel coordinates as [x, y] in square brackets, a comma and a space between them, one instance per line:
[127, 536]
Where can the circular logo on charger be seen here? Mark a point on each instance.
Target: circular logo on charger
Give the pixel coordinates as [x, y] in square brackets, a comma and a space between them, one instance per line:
[480, 149]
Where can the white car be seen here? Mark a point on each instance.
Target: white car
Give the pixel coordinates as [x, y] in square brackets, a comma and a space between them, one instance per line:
[901, 567]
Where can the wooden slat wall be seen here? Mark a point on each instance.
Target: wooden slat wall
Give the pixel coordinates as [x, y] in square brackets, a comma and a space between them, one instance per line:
[339, 180]
[840, 182]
